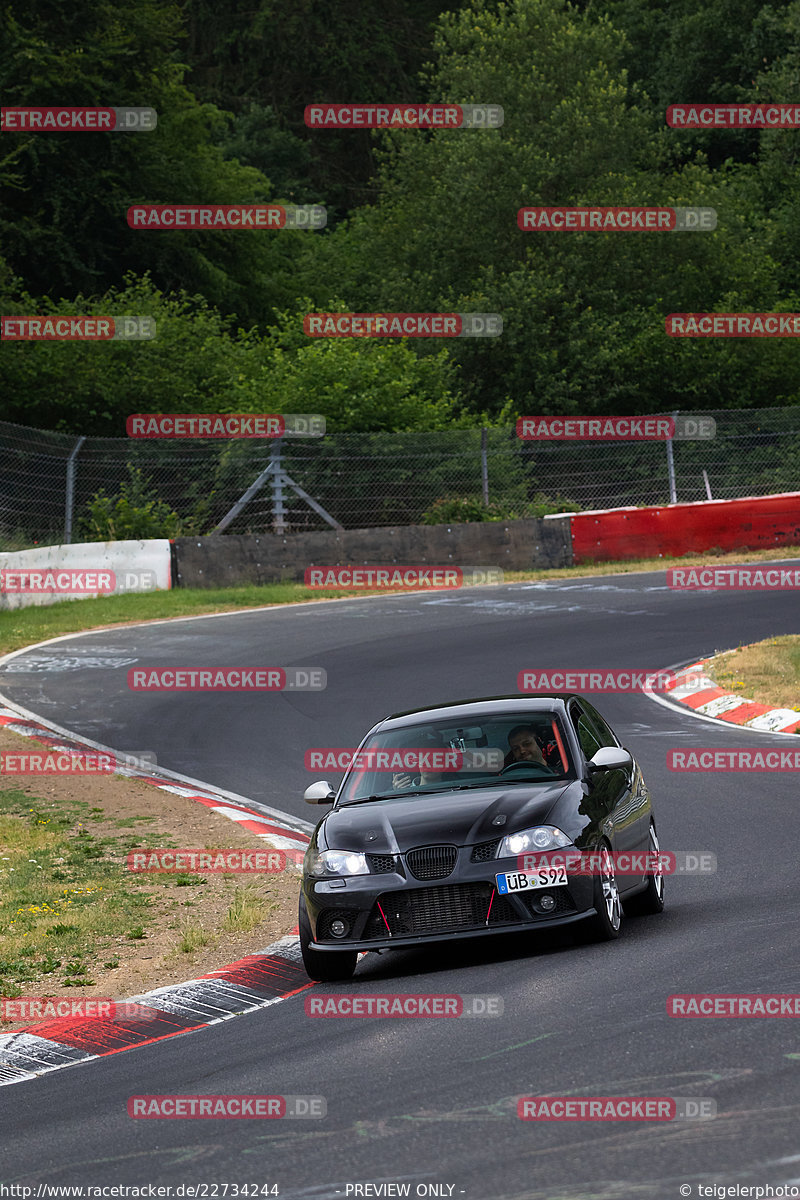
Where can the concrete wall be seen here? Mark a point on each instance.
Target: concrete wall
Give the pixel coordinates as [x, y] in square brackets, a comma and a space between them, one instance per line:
[225, 561]
[47, 574]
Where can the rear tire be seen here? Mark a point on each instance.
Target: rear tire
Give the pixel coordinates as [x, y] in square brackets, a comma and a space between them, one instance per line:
[332, 966]
[606, 923]
[651, 900]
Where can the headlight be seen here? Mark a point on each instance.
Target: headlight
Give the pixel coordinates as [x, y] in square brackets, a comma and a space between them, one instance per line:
[338, 862]
[542, 837]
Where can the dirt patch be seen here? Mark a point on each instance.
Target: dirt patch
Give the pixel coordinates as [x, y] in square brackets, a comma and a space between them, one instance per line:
[110, 812]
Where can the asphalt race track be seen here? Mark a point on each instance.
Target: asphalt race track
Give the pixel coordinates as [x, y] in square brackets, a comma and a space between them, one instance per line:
[424, 1102]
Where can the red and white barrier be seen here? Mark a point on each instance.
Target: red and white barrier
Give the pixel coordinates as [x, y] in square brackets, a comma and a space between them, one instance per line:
[753, 523]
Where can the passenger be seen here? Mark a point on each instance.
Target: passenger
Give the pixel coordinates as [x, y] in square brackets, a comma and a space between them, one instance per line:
[403, 781]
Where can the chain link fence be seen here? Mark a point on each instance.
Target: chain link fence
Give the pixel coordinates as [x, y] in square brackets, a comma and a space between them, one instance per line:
[57, 487]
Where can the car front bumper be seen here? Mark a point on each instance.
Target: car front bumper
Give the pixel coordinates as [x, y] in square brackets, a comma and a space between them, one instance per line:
[392, 910]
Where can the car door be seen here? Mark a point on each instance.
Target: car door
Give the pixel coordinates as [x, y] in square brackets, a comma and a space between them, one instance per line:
[632, 818]
[609, 795]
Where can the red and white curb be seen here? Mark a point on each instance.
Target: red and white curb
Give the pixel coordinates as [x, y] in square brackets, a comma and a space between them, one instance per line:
[695, 690]
[256, 981]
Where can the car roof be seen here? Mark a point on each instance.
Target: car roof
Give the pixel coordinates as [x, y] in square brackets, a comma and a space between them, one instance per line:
[468, 710]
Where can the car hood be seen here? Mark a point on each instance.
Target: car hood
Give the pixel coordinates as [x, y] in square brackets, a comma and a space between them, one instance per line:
[459, 818]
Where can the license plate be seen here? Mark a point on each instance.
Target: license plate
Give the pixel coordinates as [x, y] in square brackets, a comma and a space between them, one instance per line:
[526, 881]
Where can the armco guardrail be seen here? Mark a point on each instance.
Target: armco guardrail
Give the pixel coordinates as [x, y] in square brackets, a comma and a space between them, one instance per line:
[755, 523]
[48, 574]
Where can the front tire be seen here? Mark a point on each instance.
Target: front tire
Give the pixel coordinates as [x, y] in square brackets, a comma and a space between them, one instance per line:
[334, 966]
[651, 900]
[605, 925]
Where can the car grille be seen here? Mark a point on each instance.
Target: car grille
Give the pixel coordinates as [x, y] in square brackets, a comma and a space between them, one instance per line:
[484, 851]
[432, 862]
[439, 909]
[381, 864]
[564, 902]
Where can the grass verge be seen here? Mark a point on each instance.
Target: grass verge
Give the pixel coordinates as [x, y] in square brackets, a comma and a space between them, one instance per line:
[73, 917]
[65, 898]
[767, 672]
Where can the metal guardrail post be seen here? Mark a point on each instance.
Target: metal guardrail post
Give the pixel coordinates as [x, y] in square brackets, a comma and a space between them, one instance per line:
[673, 493]
[484, 465]
[278, 481]
[70, 497]
[255, 486]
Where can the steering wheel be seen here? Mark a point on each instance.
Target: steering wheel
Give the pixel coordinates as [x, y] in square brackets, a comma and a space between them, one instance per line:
[512, 766]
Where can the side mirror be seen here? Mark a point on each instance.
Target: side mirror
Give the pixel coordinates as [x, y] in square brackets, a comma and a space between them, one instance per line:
[610, 758]
[319, 793]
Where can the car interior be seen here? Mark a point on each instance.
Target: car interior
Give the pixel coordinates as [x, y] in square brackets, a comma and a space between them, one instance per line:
[485, 754]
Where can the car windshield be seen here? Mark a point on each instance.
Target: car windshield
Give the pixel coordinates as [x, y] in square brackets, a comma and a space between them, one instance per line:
[437, 756]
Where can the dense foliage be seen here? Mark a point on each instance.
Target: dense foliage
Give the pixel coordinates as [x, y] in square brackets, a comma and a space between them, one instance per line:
[417, 221]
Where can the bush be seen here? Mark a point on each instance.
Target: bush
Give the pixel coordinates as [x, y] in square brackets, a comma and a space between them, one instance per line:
[455, 510]
[135, 513]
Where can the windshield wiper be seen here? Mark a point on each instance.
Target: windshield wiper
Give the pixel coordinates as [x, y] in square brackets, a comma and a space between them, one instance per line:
[390, 796]
[533, 779]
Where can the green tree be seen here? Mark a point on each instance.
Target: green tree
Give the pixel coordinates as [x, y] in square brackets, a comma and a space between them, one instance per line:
[273, 58]
[191, 365]
[583, 313]
[64, 196]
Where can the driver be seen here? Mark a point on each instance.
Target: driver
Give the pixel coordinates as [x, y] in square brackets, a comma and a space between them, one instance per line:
[523, 746]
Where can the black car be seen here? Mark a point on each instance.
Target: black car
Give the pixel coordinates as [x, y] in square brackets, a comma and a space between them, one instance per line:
[438, 816]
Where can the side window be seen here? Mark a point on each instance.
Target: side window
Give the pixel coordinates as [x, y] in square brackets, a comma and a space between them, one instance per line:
[606, 736]
[588, 738]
